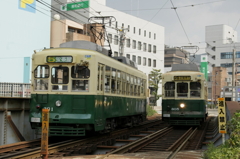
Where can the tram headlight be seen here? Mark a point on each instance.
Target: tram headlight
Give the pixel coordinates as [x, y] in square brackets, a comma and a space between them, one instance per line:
[58, 103]
[182, 105]
[38, 106]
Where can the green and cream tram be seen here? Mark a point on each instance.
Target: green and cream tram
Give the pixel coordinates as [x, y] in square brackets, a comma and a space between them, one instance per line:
[85, 90]
[184, 95]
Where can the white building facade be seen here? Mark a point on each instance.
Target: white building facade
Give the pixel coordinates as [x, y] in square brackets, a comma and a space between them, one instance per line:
[25, 27]
[221, 41]
[143, 40]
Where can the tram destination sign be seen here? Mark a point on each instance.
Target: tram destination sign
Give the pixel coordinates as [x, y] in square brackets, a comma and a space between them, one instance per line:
[182, 78]
[59, 59]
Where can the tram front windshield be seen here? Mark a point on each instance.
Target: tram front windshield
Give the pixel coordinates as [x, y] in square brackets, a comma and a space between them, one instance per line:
[182, 89]
[61, 77]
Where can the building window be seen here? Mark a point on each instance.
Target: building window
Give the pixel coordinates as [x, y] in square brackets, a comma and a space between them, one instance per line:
[134, 44]
[226, 55]
[144, 47]
[115, 54]
[128, 28]
[139, 31]
[128, 56]
[134, 58]
[71, 30]
[144, 61]
[149, 48]
[149, 34]
[144, 33]
[115, 39]
[154, 63]
[139, 60]
[116, 25]
[134, 30]
[149, 62]
[128, 43]
[154, 35]
[123, 25]
[154, 48]
[139, 45]
[110, 38]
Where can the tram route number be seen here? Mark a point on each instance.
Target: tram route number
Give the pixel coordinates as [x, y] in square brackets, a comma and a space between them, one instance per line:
[49, 108]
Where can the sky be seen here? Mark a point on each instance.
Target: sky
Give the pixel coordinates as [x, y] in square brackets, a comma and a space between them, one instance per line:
[186, 24]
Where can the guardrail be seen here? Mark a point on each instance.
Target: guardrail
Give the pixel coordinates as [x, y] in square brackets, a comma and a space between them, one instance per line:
[15, 90]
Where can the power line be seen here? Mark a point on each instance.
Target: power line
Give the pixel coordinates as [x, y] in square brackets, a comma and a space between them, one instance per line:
[59, 12]
[175, 9]
[155, 14]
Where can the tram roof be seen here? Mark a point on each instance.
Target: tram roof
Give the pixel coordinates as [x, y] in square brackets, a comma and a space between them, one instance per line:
[185, 67]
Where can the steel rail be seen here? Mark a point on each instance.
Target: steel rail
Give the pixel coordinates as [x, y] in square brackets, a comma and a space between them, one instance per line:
[54, 148]
[173, 154]
[133, 144]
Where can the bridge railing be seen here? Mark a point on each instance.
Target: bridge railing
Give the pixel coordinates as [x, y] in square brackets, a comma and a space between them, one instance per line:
[15, 90]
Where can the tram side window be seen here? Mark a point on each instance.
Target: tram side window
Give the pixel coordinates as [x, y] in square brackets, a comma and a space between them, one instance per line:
[107, 79]
[42, 72]
[195, 89]
[119, 82]
[182, 89]
[123, 83]
[169, 89]
[80, 72]
[60, 75]
[113, 81]
[100, 77]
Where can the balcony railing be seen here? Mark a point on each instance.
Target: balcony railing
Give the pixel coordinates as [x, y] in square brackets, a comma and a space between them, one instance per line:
[15, 90]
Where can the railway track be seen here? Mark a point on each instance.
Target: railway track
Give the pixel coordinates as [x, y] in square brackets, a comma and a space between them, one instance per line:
[31, 149]
[151, 136]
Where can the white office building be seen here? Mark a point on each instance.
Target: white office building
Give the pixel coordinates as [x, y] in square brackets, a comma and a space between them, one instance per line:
[221, 41]
[143, 40]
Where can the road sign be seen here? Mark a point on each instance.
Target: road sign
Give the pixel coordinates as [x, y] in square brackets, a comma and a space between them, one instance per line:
[222, 116]
[45, 127]
[75, 6]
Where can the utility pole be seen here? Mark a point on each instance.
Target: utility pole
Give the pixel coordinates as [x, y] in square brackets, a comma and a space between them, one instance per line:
[233, 76]
[122, 38]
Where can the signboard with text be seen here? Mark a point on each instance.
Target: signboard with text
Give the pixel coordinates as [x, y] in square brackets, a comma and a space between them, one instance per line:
[75, 6]
[204, 65]
[45, 127]
[222, 116]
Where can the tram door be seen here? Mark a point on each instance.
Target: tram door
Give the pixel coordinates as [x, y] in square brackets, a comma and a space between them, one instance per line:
[99, 101]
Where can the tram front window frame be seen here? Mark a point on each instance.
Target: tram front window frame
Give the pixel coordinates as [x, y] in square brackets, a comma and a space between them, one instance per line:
[59, 78]
[41, 75]
[169, 89]
[195, 89]
[182, 89]
[80, 78]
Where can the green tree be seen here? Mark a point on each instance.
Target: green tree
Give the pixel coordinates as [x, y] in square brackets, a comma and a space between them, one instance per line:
[155, 77]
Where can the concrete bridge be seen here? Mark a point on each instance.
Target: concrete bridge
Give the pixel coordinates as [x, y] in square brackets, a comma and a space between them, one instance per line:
[14, 112]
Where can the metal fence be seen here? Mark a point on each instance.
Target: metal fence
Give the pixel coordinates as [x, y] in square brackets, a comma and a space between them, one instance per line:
[15, 90]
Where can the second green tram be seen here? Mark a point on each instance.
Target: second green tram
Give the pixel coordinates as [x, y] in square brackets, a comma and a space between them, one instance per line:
[184, 97]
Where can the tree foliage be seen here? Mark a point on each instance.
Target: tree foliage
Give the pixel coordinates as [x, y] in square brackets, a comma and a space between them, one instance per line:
[155, 77]
[231, 148]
